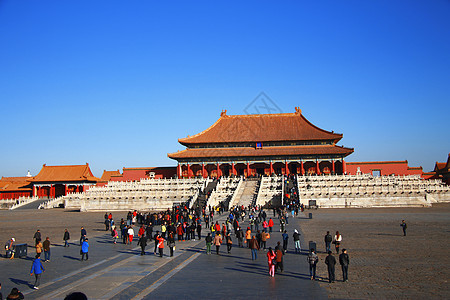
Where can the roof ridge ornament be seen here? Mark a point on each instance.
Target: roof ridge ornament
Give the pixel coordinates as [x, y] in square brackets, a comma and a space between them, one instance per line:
[223, 113]
[298, 111]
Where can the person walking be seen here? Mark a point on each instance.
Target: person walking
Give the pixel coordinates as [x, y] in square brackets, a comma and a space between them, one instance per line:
[297, 245]
[240, 236]
[279, 259]
[171, 242]
[143, 243]
[208, 241]
[37, 268]
[37, 237]
[161, 245]
[83, 234]
[115, 235]
[330, 261]
[84, 249]
[39, 247]
[46, 247]
[254, 247]
[217, 242]
[328, 239]
[248, 236]
[270, 224]
[10, 248]
[229, 242]
[264, 237]
[271, 261]
[344, 261]
[313, 259]
[337, 241]
[404, 226]
[130, 233]
[66, 238]
[156, 239]
[285, 237]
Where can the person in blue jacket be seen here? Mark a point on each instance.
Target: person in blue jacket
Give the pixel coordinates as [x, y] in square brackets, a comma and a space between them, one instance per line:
[37, 269]
[85, 249]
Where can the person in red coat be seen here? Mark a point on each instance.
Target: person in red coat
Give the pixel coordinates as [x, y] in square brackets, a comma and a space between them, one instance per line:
[270, 260]
[270, 224]
[160, 245]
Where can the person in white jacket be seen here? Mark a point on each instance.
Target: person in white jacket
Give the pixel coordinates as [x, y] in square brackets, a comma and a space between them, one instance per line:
[337, 241]
[130, 234]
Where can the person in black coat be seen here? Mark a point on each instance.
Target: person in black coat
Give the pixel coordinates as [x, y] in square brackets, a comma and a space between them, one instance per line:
[328, 238]
[66, 238]
[330, 261]
[143, 244]
[344, 261]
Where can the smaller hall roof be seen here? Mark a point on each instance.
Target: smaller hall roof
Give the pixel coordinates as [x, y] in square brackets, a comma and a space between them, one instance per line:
[67, 173]
[261, 128]
[106, 176]
[14, 184]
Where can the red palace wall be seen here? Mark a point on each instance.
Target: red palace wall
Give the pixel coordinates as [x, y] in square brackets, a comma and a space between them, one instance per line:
[385, 168]
[14, 195]
[133, 174]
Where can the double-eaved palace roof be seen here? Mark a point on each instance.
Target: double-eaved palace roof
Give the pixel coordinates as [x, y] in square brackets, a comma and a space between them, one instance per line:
[261, 128]
[284, 134]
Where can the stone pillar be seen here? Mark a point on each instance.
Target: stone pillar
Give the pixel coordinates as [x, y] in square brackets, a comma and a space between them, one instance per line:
[179, 171]
[344, 167]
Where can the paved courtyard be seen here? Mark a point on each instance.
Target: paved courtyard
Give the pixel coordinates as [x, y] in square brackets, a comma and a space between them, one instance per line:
[384, 264]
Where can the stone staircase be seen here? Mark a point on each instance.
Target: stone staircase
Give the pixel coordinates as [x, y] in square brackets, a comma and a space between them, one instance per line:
[248, 193]
[201, 200]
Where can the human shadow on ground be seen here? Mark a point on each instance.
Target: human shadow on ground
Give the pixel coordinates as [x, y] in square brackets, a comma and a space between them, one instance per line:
[21, 282]
[133, 252]
[252, 271]
[71, 257]
[389, 234]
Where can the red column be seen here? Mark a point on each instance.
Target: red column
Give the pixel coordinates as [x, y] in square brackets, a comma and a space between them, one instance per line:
[179, 171]
[302, 167]
[344, 167]
[332, 166]
[65, 189]
[287, 168]
[271, 168]
[218, 170]
[52, 191]
[189, 171]
[233, 169]
[248, 169]
[203, 170]
[317, 168]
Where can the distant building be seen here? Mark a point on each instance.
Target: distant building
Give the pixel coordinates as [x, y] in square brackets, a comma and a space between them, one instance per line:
[15, 187]
[382, 168]
[135, 174]
[261, 144]
[441, 171]
[55, 181]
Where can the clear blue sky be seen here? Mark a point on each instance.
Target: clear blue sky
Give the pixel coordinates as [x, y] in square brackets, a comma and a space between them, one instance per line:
[116, 83]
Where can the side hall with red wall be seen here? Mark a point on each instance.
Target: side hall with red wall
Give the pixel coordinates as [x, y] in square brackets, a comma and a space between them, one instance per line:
[383, 167]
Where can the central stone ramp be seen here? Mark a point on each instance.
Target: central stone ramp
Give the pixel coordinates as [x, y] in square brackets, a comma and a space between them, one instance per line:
[249, 192]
